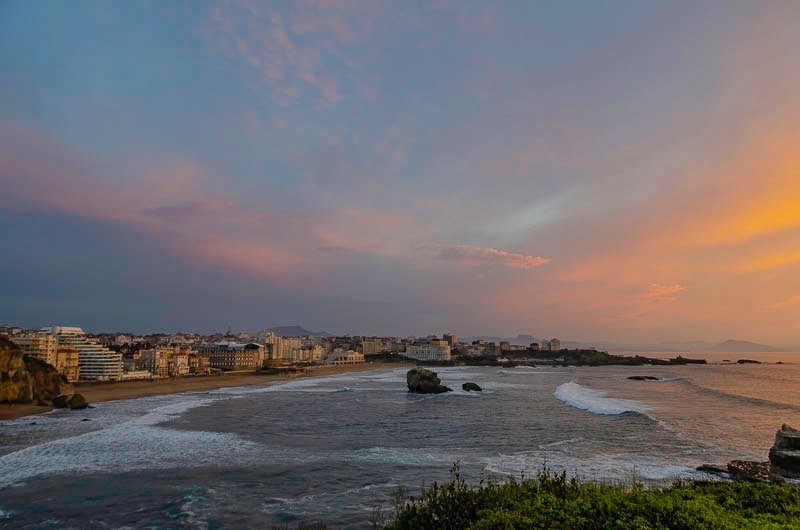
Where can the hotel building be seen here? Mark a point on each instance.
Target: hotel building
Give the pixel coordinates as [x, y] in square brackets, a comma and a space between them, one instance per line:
[96, 362]
[432, 350]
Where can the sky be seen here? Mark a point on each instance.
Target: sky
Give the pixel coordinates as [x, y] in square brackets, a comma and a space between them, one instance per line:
[608, 170]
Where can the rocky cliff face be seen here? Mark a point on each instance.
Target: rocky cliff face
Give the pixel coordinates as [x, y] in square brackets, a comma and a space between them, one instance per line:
[25, 379]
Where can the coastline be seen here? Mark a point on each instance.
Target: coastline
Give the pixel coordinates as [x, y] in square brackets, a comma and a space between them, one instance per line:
[119, 390]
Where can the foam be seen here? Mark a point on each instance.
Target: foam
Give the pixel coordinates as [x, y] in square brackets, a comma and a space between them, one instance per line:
[136, 444]
[399, 455]
[595, 401]
[602, 467]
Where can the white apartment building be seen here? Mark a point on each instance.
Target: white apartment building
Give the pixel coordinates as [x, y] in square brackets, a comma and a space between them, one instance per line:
[94, 360]
[433, 350]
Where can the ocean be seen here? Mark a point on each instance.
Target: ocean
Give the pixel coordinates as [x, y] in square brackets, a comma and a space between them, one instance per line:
[335, 448]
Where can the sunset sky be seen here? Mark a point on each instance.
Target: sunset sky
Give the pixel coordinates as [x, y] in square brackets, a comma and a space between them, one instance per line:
[602, 170]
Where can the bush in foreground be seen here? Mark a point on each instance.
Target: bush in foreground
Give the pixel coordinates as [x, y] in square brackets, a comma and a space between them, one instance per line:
[554, 501]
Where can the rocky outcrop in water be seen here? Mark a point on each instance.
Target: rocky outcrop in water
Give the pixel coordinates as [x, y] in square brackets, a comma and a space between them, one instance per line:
[424, 381]
[471, 387]
[26, 379]
[784, 457]
[643, 378]
[749, 470]
[73, 402]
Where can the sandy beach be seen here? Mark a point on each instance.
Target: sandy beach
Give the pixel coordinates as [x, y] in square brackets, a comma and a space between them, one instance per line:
[98, 392]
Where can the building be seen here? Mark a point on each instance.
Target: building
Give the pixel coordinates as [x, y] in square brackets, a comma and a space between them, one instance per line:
[451, 339]
[344, 357]
[431, 350]
[95, 362]
[199, 364]
[554, 345]
[234, 356]
[45, 347]
[371, 346]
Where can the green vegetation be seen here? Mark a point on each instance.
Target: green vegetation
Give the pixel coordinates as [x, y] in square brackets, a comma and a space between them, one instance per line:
[555, 501]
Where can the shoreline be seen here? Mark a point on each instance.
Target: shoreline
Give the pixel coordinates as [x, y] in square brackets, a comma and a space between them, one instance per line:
[121, 390]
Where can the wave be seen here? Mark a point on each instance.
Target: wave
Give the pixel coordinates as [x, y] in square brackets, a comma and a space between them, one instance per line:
[738, 397]
[136, 444]
[595, 401]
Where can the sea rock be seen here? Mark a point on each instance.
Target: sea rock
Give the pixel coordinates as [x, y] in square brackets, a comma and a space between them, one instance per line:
[784, 457]
[643, 378]
[713, 469]
[26, 379]
[471, 387]
[748, 361]
[424, 381]
[61, 402]
[77, 402]
[748, 470]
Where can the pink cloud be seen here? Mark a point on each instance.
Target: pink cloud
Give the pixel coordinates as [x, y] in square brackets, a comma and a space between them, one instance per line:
[473, 255]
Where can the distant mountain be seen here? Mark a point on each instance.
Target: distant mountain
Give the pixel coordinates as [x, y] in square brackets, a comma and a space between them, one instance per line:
[743, 346]
[296, 331]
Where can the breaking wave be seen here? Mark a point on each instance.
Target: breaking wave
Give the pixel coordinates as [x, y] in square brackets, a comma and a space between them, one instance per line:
[595, 401]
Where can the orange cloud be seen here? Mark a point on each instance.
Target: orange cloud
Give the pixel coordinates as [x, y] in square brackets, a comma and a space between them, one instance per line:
[663, 293]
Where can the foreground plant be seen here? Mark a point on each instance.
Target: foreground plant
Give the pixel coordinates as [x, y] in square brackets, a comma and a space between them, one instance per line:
[552, 500]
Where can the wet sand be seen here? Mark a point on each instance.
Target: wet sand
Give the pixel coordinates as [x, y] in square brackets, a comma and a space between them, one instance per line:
[97, 392]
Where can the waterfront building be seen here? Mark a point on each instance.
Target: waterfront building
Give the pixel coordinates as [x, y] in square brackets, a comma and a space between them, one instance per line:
[451, 339]
[431, 350]
[95, 361]
[371, 346]
[339, 357]
[234, 356]
[45, 347]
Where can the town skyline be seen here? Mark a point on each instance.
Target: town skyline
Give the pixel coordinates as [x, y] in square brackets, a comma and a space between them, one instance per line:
[620, 172]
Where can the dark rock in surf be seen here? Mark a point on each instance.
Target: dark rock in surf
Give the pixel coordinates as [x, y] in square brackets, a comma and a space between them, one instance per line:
[748, 470]
[643, 378]
[784, 457]
[747, 361]
[422, 381]
[471, 387]
[77, 402]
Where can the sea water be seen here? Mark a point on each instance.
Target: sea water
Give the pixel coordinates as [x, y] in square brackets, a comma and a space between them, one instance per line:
[334, 448]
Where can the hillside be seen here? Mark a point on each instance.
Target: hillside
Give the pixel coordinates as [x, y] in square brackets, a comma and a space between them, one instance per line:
[296, 331]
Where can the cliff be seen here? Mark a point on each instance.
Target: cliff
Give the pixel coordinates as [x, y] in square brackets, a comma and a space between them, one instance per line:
[25, 379]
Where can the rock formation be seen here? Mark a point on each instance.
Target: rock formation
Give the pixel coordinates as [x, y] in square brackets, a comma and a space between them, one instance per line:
[784, 457]
[643, 378]
[424, 381]
[471, 387]
[26, 379]
[73, 401]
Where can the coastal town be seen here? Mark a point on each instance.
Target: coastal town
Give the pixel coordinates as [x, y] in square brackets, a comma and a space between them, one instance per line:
[112, 357]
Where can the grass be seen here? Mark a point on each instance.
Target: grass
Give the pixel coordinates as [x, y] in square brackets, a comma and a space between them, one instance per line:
[552, 500]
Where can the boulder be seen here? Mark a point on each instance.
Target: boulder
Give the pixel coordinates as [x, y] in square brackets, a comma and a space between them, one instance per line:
[26, 379]
[643, 378]
[61, 402]
[471, 387]
[748, 470]
[424, 381]
[77, 402]
[784, 457]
